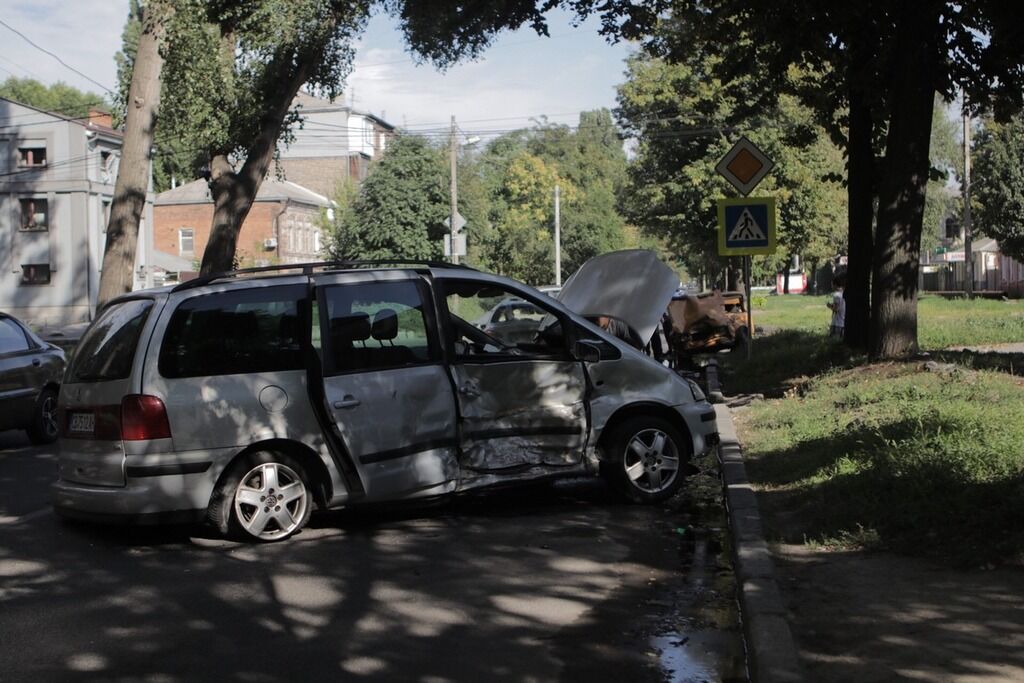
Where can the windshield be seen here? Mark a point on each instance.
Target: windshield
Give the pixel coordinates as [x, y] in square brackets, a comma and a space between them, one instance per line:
[108, 347]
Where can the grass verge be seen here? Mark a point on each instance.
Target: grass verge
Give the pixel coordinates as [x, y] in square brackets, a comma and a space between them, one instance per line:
[895, 456]
[941, 322]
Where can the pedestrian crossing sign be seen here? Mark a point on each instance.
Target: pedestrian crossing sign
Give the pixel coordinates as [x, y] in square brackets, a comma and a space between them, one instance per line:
[746, 226]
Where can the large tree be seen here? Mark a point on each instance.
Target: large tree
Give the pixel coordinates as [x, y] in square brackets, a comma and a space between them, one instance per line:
[133, 171]
[997, 184]
[234, 67]
[684, 121]
[883, 60]
[400, 209]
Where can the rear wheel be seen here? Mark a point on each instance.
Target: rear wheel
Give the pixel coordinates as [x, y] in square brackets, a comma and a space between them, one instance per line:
[43, 428]
[643, 459]
[265, 497]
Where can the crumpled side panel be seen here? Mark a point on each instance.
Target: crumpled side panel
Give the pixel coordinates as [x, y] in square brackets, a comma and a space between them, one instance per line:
[521, 413]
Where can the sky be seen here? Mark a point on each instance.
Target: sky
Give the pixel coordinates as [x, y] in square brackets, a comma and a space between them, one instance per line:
[520, 77]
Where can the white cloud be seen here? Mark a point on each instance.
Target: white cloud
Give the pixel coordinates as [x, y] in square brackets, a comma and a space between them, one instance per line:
[84, 33]
[520, 76]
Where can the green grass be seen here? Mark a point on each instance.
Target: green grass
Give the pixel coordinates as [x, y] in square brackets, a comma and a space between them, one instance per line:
[941, 322]
[892, 455]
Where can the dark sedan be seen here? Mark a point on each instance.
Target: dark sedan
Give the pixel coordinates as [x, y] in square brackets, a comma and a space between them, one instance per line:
[30, 375]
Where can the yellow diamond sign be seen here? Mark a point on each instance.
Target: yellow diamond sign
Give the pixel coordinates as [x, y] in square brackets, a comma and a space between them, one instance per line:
[744, 166]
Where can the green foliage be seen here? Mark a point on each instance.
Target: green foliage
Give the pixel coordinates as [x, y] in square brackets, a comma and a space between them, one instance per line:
[947, 159]
[685, 119]
[925, 462]
[519, 171]
[998, 184]
[400, 209]
[59, 98]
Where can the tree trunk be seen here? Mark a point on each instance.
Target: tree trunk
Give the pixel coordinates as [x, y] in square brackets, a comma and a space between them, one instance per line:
[787, 268]
[234, 192]
[132, 183]
[904, 178]
[861, 201]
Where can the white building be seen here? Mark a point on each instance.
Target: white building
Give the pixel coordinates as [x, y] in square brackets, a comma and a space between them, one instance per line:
[56, 184]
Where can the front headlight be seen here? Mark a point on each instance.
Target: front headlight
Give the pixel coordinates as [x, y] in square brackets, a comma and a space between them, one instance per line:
[698, 395]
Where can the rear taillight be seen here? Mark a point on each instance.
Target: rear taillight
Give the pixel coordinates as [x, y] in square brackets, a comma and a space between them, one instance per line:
[144, 418]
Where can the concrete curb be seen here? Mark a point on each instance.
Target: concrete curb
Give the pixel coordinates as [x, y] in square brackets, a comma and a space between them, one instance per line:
[770, 646]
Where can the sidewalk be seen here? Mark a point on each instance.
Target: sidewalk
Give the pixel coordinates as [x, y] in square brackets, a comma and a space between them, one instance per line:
[876, 616]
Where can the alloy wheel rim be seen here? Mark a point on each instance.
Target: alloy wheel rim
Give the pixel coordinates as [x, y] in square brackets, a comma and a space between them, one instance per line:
[270, 501]
[49, 414]
[651, 460]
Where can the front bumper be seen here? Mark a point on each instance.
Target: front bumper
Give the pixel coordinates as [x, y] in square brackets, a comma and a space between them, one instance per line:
[702, 424]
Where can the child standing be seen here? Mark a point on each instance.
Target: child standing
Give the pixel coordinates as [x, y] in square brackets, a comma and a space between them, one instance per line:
[838, 306]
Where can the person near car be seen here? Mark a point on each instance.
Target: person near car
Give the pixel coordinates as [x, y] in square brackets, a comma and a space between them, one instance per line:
[838, 307]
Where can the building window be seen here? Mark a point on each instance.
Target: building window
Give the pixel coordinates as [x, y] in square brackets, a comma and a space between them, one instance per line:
[32, 156]
[34, 214]
[316, 242]
[35, 274]
[186, 242]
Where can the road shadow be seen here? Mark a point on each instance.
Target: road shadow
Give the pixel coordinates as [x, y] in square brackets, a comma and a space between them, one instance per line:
[861, 616]
[518, 585]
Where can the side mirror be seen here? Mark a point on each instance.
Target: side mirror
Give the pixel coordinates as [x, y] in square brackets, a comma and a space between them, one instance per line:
[586, 351]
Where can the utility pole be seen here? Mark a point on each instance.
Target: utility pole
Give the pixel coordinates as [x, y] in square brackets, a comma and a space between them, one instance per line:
[558, 237]
[968, 256]
[453, 227]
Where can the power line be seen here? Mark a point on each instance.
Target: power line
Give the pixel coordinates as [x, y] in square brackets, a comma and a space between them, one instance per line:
[44, 50]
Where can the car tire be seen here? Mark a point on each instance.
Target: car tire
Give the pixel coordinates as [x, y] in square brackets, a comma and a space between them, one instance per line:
[265, 497]
[43, 428]
[644, 459]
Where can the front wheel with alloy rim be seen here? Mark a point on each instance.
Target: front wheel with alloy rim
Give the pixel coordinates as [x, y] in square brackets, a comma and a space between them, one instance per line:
[265, 497]
[43, 428]
[644, 458]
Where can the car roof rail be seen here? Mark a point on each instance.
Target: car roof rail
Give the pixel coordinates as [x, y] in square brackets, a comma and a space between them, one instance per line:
[310, 268]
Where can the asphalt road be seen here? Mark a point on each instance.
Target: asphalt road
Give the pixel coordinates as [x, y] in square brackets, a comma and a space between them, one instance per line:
[541, 584]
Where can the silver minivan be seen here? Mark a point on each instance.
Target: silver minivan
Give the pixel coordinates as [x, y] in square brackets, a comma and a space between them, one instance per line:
[249, 398]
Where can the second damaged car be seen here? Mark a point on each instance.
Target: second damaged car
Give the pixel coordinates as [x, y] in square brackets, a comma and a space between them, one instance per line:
[250, 398]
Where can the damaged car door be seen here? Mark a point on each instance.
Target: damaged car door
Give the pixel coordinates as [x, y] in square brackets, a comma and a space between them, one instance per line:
[521, 398]
[385, 382]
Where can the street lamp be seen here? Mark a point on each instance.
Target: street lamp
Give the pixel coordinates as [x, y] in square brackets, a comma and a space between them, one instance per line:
[453, 226]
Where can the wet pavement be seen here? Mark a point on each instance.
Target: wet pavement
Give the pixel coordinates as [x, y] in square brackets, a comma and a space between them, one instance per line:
[547, 583]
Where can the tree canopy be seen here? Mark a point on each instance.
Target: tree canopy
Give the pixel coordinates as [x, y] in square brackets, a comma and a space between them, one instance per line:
[400, 209]
[685, 120]
[998, 184]
[59, 97]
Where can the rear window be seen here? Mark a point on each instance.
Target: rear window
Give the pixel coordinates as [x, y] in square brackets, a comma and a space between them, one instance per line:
[235, 332]
[107, 349]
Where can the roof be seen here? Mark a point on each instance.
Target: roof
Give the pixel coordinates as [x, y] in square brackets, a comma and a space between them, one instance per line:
[84, 121]
[198, 192]
[170, 262]
[311, 104]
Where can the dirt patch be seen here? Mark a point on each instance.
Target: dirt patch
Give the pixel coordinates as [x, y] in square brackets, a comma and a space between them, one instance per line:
[860, 617]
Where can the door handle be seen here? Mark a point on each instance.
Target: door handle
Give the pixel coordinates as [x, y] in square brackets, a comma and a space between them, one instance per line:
[349, 401]
[36, 362]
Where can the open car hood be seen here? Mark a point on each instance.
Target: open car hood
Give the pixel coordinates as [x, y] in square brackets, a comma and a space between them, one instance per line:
[632, 285]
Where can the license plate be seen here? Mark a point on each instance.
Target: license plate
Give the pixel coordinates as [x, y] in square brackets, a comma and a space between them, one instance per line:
[83, 423]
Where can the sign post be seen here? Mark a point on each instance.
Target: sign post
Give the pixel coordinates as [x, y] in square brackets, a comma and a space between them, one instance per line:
[746, 226]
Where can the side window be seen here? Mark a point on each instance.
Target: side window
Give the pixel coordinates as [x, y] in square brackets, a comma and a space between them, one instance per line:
[107, 348]
[12, 337]
[489, 320]
[236, 332]
[374, 326]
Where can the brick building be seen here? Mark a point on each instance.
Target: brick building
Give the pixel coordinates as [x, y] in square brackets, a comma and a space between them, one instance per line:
[281, 226]
[335, 142]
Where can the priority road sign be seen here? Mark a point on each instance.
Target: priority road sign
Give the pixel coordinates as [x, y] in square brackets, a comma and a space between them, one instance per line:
[744, 166]
[746, 226]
